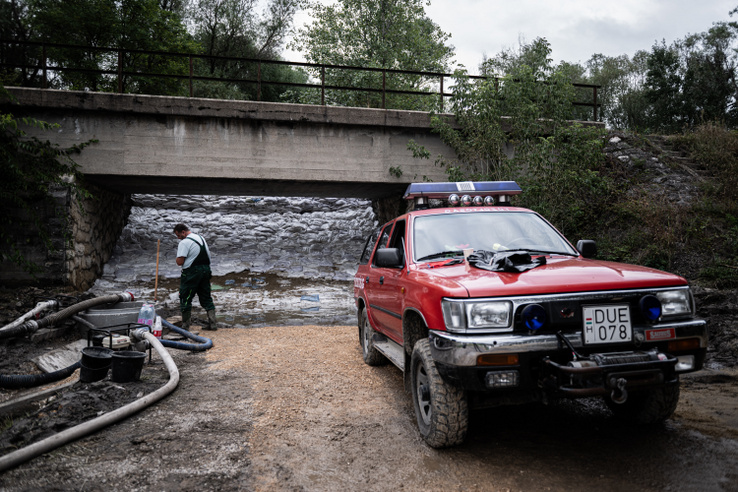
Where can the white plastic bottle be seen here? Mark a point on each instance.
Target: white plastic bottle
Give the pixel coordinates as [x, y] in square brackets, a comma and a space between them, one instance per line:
[146, 315]
[157, 328]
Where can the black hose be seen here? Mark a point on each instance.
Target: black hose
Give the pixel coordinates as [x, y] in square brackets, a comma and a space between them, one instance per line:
[32, 380]
[204, 343]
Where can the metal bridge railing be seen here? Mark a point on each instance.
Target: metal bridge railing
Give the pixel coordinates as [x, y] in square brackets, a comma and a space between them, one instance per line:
[31, 60]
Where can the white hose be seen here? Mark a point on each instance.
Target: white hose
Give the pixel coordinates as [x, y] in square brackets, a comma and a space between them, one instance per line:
[41, 306]
[15, 458]
[31, 326]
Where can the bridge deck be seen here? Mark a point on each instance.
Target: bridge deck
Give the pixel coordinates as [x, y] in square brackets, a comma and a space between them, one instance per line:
[162, 144]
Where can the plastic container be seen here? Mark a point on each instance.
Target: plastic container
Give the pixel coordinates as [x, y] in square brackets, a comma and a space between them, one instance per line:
[118, 313]
[156, 331]
[146, 315]
[127, 366]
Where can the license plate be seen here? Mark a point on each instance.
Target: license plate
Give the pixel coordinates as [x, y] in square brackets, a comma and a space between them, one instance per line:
[607, 324]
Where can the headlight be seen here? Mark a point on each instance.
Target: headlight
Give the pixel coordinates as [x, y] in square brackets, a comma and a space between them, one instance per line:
[675, 302]
[463, 315]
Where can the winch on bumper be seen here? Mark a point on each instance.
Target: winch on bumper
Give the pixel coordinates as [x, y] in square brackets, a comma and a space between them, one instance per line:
[533, 367]
[609, 374]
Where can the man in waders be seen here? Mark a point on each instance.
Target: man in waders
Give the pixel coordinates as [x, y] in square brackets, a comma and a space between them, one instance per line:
[193, 256]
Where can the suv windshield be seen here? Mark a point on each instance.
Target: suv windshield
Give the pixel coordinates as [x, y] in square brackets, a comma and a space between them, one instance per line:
[449, 234]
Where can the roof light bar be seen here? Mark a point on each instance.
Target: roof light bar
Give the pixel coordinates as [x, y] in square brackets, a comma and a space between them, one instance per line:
[464, 191]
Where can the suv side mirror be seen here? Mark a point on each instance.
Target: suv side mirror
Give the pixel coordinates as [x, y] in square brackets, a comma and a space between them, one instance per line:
[388, 258]
[587, 248]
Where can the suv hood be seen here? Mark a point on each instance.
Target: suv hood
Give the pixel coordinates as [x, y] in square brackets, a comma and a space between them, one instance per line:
[558, 275]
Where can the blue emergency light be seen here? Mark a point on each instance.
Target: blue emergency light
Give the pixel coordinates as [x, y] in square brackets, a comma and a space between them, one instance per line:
[463, 193]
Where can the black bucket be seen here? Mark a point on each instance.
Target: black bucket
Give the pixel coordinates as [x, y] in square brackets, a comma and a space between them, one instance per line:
[127, 365]
[95, 364]
[88, 375]
[96, 357]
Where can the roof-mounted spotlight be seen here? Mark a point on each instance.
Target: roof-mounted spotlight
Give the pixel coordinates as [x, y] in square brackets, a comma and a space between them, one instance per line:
[421, 203]
[460, 193]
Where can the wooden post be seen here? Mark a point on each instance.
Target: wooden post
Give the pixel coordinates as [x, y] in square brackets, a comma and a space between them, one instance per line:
[156, 278]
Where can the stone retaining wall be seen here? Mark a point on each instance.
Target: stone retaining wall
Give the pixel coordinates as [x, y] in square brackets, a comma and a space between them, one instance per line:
[95, 228]
[82, 239]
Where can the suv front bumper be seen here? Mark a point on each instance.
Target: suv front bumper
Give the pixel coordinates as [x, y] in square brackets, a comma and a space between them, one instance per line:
[544, 362]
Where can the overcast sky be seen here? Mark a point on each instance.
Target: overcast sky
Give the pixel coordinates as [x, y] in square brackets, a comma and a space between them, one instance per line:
[576, 29]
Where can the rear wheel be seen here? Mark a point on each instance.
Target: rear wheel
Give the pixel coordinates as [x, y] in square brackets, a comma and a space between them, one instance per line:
[371, 355]
[647, 407]
[440, 408]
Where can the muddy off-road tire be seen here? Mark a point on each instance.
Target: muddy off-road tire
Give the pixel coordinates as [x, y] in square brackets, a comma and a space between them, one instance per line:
[647, 407]
[372, 356]
[441, 409]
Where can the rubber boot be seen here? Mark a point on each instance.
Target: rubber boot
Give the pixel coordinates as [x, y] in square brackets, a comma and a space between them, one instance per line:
[212, 323]
[186, 320]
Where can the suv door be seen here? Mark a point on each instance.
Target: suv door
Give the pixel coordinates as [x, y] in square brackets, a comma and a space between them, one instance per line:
[386, 301]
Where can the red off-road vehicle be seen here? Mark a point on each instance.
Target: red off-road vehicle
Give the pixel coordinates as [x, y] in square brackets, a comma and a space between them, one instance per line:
[484, 304]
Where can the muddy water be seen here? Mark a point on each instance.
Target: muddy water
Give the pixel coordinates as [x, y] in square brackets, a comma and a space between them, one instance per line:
[245, 300]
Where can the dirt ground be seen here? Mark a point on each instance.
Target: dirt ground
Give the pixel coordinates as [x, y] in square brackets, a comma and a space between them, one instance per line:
[295, 408]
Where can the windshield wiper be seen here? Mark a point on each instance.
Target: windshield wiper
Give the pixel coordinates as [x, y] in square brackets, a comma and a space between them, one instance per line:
[541, 252]
[448, 254]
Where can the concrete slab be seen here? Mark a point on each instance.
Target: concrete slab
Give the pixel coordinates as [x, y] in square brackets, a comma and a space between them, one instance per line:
[61, 357]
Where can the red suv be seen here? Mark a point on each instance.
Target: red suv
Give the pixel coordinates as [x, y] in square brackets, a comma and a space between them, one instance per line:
[485, 304]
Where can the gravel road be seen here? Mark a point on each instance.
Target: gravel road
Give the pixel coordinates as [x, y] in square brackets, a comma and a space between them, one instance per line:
[295, 408]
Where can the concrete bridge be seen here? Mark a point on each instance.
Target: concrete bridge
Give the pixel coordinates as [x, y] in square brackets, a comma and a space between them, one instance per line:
[174, 145]
[189, 146]
[177, 145]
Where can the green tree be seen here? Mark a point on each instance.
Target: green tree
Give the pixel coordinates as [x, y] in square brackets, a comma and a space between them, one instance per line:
[31, 168]
[14, 25]
[663, 87]
[709, 76]
[535, 56]
[693, 80]
[228, 30]
[621, 93]
[145, 25]
[518, 127]
[385, 34]
[127, 24]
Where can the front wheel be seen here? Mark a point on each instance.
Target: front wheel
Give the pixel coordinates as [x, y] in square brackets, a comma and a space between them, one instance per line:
[369, 352]
[647, 407]
[440, 408]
